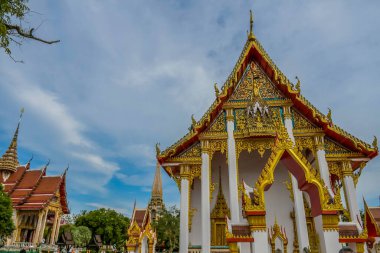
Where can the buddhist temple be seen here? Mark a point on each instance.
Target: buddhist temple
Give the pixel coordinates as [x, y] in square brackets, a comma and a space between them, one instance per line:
[141, 236]
[265, 171]
[38, 200]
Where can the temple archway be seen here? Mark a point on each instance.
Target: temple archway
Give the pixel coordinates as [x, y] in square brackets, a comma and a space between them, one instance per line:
[301, 169]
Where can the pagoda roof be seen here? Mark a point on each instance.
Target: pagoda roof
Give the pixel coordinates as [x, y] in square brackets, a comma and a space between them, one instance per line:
[372, 220]
[33, 190]
[253, 51]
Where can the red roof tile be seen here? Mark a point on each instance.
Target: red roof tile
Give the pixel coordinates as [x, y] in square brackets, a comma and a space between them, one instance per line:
[139, 216]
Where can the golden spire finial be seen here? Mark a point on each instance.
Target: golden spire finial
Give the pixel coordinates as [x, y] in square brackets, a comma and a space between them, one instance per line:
[329, 115]
[374, 143]
[298, 85]
[217, 92]
[250, 35]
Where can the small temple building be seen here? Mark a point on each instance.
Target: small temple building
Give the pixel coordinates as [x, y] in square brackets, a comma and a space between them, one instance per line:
[265, 171]
[141, 236]
[38, 200]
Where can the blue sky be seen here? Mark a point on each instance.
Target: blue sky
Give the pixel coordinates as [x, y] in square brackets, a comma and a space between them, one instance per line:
[128, 74]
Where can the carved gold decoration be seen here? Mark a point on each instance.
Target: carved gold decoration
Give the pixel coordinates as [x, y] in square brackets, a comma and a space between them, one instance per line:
[192, 155]
[374, 143]
[257, 222]
[217, 145]
[329, 115]
[300, 122]
[254, 75]
[253, 144]
[298, 84]
[218, 217]
[330, 222]
[304, 143]
[217, 92]
[289, 186]
[219, 125]
[278, 232]
[333, 147]
[357, 175]
[346, 168]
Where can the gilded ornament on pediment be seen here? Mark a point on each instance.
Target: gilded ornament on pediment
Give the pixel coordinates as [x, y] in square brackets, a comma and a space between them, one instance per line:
[193, 151]
[300, 122]
[277, 232]
[333, 147]
[219, 125]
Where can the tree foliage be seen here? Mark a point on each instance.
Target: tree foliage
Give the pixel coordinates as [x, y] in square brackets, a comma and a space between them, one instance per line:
[6, 222]
[167, 228]
[81, 235]
[12, 15]
[109, 224]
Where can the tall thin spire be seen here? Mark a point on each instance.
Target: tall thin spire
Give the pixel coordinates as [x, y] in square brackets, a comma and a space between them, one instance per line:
[157, 183]
[250, 35]
[9, 160]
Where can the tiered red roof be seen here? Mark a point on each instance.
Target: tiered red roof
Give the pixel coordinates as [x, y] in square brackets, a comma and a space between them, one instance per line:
[33, 190]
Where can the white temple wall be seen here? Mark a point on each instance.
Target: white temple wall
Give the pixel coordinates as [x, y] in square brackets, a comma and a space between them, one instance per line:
[195, 235]
[249, 169]
[219, 160]
[279, 205]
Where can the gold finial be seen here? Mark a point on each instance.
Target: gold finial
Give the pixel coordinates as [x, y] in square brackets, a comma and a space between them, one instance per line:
[193, 121]
[250, 35]
[374, 143]
[329, 115]
[158, 150]
[217, 92]
[298, 85]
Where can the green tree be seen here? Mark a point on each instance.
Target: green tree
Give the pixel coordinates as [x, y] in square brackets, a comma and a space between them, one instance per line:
[167, 228]
[6, 222]
[81, 235]
[109, 224]
[12, 15]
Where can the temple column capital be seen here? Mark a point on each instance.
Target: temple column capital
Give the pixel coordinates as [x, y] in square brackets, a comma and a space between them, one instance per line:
[287, 112]
[230, 114]
[319, 142]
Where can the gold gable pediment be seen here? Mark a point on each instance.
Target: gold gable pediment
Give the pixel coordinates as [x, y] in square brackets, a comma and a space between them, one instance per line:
[254, 74]
[219, 124]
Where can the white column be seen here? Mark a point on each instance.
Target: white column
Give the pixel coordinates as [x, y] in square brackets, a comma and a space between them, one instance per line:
[299, 206]
[261, 244]
[328, 238]
[54, 228]
[41, 234]
[184, 215]
[350, 193]
[205, 198]
[322, 163]
[57, 230]
[38, 228]
[232, 170]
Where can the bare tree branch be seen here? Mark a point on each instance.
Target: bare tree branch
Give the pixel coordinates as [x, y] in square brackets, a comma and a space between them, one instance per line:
[28, 34]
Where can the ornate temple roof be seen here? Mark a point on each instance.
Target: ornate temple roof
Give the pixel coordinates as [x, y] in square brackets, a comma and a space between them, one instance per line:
[254, 52]
[33, 190]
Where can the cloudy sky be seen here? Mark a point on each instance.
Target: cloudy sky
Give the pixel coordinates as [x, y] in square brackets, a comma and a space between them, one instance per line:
[128, 74]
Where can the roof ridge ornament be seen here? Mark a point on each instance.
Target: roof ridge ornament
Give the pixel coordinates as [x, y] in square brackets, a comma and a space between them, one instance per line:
[329, 117]
[374, 143]
[251, 36]
[217, 92]
[298, 85]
